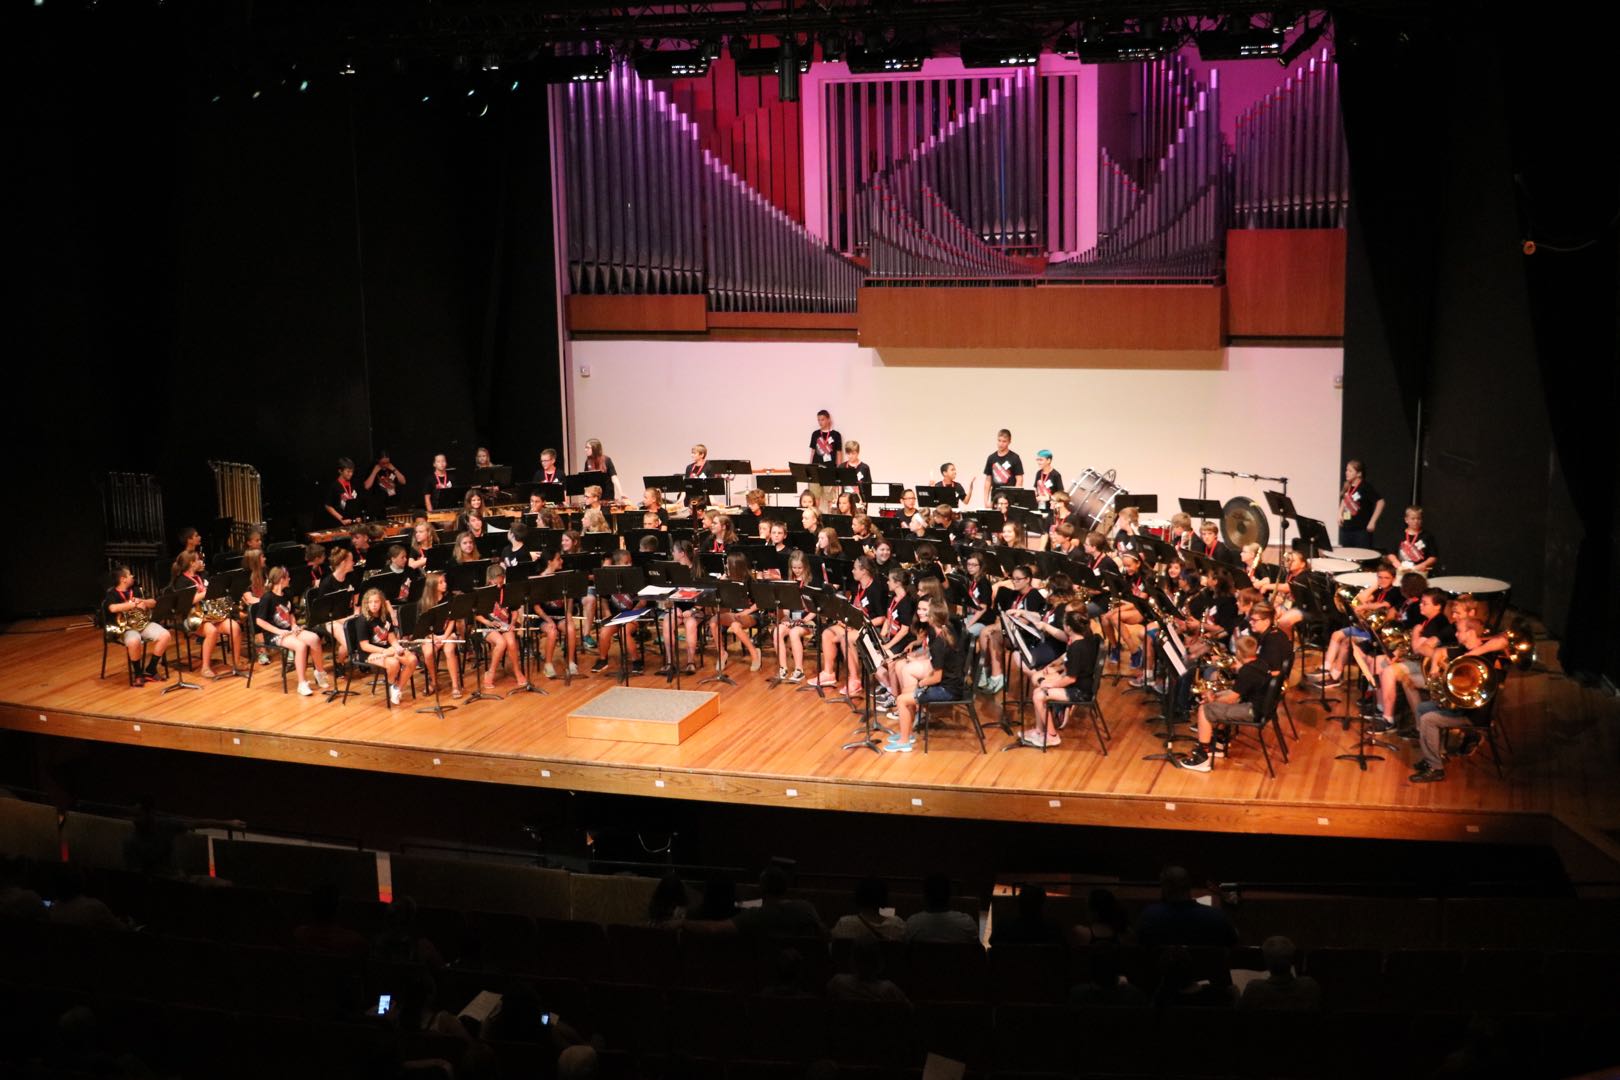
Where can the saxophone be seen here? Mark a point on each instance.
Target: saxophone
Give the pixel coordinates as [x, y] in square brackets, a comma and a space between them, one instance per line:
[1225, 665]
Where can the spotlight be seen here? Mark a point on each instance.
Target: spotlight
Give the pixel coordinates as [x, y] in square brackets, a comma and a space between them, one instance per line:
[873, 59]
[592, 67]
[346, 68]
[1246, 42]
[492, 62]
[1302, 44]
[1121, 48]
[788, 71]
[765, 60]
[672, 64]
[992, 53]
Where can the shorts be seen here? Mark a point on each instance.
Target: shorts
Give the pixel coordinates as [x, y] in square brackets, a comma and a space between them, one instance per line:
[1043, 654]
[1356, 633]
[1414, 668]
[1228, 712]
[377, 659]
[937, 692]
[975, 629]
[150, 632]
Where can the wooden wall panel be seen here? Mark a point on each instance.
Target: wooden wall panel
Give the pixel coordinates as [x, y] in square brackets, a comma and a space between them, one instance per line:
[1285, 283]
[1181, 317]
[624, 314]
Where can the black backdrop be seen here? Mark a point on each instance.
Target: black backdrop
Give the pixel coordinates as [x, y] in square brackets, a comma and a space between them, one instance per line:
[1499, 367]
[278, 282]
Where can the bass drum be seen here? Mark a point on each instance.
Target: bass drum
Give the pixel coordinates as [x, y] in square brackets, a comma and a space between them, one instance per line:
[1244, 522]
[1093, 496]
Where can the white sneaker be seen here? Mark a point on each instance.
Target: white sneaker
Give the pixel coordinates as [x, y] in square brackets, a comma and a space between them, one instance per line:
[573, 668]
[304, 689]
[322, 681]
[781, 674]
[797, 676]
[393, 695]
[551, 670]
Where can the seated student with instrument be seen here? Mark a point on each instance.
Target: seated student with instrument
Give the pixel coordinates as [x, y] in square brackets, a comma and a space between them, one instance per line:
[1382, 597]
[1045, 631]
[614, 604]
[1122, 624]
[499, 636]
[554, 613]
[436, 591]
[737, 623]
[793, 625]
[1434, 719]
[1182, 534]
[1021, 596]
[897, 633]
[343, 498]
[722, 533]
[1296, 571]
[274, 619]
[379, 640]
[124, 612]
[403, 577]
[1071, 681]
[339, 580]
[871, 596]
[211, 619]
[681, 551]
[978, 605]
[1239, 703]
[1434, 633]
[1417, 550]
[938, 676]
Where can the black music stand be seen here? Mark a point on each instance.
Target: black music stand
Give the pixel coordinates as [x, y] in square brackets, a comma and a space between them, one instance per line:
[483, 603]
[697, 487]
[668, 574]
[774, 484]
[1281, 507]
[567, 586]
[467, 576]
[1360, 755]
[849, 478]
[936, 495]
[1313, 538]
[576, 483]
[324, 609]
[776, 596]
[822, 603]
[886, 492]
[229, 585]
[1015, 636]
[1203, 509]
[1024, 497]
[429, 624]
[550, 494]
[170, 609]
[492, 477]
[727, 594]
[519, 583]
[626, 581]
[867, 654]
[666, 484]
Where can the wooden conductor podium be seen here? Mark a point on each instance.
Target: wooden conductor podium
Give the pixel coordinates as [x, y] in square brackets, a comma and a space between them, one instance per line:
[635, 714]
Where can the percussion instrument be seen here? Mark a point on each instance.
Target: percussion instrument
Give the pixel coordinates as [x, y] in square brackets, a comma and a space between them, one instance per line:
[1159, 527]
[1335, 566]
[1493, 592]
[1357, 579]
[1357, 555]
[1243, 521]
[1092, 497]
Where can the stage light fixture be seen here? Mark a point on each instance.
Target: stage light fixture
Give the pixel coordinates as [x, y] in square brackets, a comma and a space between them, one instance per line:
[788, 70]
[592, 67]
[1302, 44]
[492, 62]
[1122, 48]
[672, 64]
[1246, 42]
[875, 59]
[1066, 46]
[993, 53]
[765, 60]
[346, 68]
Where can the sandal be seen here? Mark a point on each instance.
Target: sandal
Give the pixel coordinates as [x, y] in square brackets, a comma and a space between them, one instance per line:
[689, 669]
[455, 692]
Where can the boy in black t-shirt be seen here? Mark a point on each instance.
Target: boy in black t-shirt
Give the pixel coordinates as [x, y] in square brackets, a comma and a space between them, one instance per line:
[1004, 468]
[121, 600]
[947, 479]
[1434, 633]
[1240, 703]
[826, 451]
[1074, 684]
[1433, 720]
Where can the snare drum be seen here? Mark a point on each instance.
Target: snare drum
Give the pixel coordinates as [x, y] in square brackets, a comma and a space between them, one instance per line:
[1494, 592]
[1357, 555]
[1358, 579]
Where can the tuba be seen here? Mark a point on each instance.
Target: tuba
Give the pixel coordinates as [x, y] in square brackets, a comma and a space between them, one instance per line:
[1468, 682]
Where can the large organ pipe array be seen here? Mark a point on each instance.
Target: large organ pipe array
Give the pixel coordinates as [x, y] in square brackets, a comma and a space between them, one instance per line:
[1174, 227]
[649, 211]
[1291, 169]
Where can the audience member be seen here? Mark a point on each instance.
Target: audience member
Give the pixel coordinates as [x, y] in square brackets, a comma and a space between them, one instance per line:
[399, 942]
[577, 1063]
[1106, 921]
[719, 905]
[520, 1017]
[667, 908]
[416, 1008]
[1108, 987]
[1281, 989]
[71, 907]
[866, 981]
[322, 932]
[1183, 983]
[936, 923]
[779, 915]
[1030, 925]
[871, 897]
[1178, 919]
[17, 901]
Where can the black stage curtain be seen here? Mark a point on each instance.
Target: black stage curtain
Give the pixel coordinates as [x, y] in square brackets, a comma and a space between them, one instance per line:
[279, 282]
[1477, 376]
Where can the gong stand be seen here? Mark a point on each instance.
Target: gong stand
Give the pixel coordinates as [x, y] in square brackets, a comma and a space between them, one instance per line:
[1203, 496]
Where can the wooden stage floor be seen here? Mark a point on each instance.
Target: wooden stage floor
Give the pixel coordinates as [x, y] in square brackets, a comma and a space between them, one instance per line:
[781, 748]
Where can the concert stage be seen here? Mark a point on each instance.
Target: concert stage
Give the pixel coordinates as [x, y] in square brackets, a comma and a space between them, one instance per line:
[777, 747]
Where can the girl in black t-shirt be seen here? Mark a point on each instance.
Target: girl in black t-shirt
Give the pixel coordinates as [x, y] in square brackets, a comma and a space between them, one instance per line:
[499, 635]
[379, 641]
[274, 619]
[795, 624]
[436, 591]
[1048, 481]
[871, 596]
[1360, 507]
[898, 633]
[1068, 683]
[438, 484]
[938, 677]
[737, 622]
[1021, 596]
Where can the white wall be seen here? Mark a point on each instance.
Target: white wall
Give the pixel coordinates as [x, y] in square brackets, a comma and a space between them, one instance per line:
[1273, 411]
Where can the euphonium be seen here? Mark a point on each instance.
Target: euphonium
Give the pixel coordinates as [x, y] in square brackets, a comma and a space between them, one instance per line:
[1389, 633]
[1467, 683]
[1225, 665]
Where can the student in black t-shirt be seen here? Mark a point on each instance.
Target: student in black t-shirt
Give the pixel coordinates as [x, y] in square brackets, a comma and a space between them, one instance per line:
[1417, 550]
[343, 498]
[826, 450]
[274, 619]
[338, 580]
[1275, 647]
[399, 578]
[597, 461]
[121, 600]
[499, 636]
[947, 479]
[1360, 507]
[1048, 481]
[899, 622]
[384, 483]
[871, 596]
[438, 486]
[1434, 633]
[863, 472]
[1073, 683]
[1237, 704]
[1020, 596]
[1004, 468]
[938, 678]
[1433, 720]
[379, 640]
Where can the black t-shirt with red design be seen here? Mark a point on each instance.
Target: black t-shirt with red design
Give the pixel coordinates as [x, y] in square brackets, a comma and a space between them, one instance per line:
[275, 610]
[378, 630]
[1003, 468]
[825, 446]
